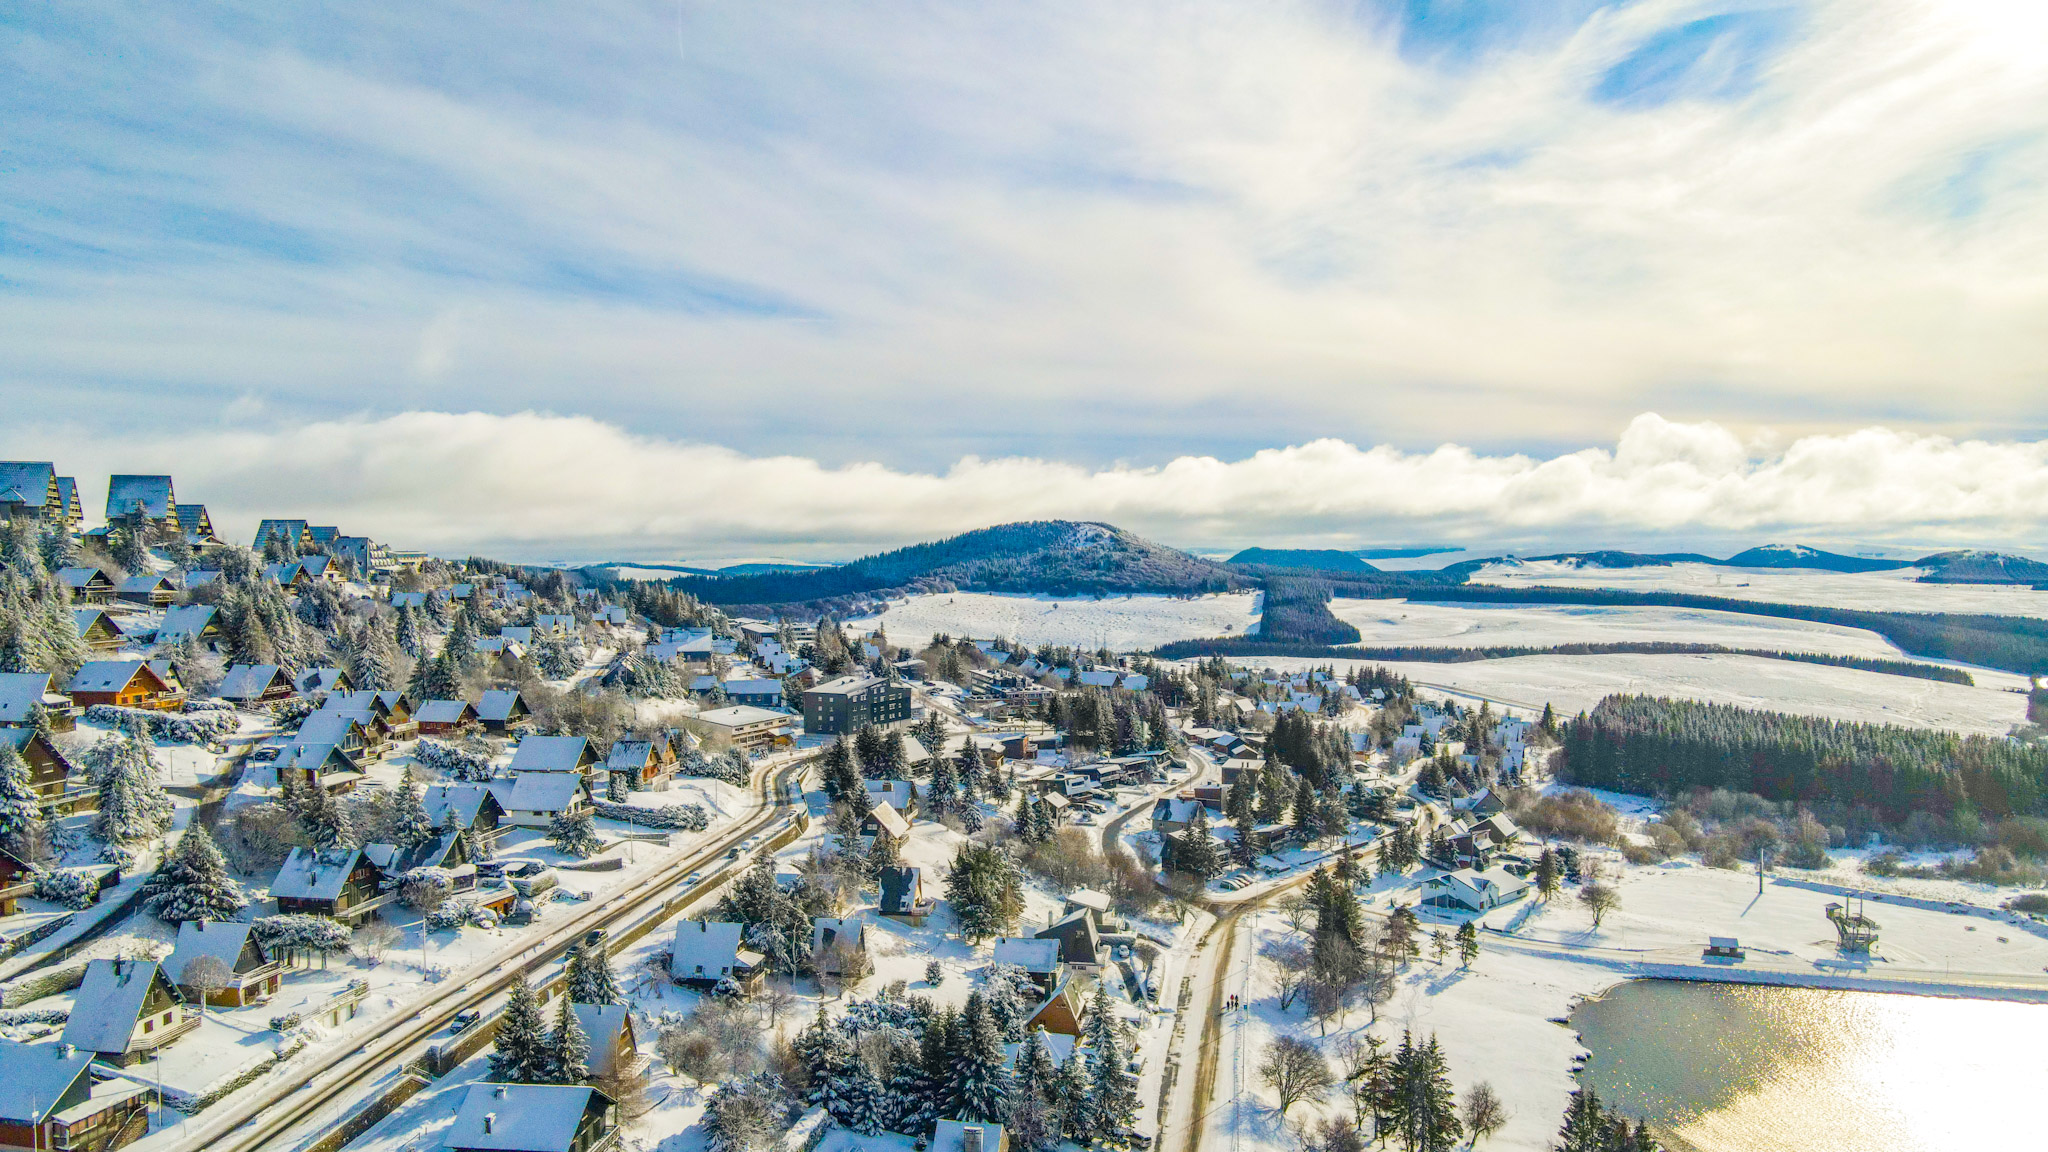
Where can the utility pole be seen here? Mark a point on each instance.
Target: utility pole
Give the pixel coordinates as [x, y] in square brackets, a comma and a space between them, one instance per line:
[1761, 854]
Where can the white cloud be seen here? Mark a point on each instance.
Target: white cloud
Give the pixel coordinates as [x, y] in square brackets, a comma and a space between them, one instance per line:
[537, 486]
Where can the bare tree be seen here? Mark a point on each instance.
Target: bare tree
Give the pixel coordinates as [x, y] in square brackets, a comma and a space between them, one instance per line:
[1484, 1114]
[375, 938]
[1296, 1070]
[1600, 900]
[1325, 1003]
[424, 895]
[206, 975]
[776, 1000]
[855, 965]
[1300, 914]
[628, 1084]
[1291, 959]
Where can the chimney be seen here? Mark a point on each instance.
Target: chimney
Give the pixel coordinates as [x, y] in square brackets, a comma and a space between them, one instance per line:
[202, 924]
[499, 1092]
[970, 1138]
[66, 1051]
[491, 1118]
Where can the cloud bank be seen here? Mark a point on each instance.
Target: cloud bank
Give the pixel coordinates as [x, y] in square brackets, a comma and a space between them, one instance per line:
[919, 231]
[543, 487]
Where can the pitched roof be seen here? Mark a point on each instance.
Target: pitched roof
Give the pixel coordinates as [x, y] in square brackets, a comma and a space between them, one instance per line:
[310, 875]
[34, 1077]
[106, 675]
[605, 1026]
[542, 792]
[453, 805]
[150, 494]
[108, 1003]
[1034, 956]
[551, 754]
[20, 692]
[497, 705]
[26, 481]
[220, 939]
[248, 681]
[522, 1117]
[429, 853]
[704, 949]
[890, 820]
[901, 884]
[629, 755]
[445, 712]
[186, 620]
[80, 577]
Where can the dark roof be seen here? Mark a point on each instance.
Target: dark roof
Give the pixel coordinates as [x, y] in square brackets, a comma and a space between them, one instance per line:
[900, 886]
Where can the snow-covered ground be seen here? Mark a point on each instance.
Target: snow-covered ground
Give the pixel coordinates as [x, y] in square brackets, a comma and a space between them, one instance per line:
[1411, 622]
[1574, 683]
[1120, 623]
[1893, 591]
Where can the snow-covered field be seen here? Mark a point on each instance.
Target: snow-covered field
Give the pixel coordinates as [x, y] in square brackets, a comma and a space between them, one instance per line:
[1573, 683]
[1411, 622]
[1121, 623]
[1874, 591]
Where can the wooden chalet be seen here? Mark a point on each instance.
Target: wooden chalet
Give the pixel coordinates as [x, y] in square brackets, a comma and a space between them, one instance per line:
[446, 717]
[534, 1118]
[502, 710]
[98, 628]
[51, 1098]
[61, 788]
[125, 1010]
[126, 683]
[149, 590]
[23, 694]
[87, 585]
[252, 684]
[341, 883]
[253, 975]
[1063, 1011]
[463, 806]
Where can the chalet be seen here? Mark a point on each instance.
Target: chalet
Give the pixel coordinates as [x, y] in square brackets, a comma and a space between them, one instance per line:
[87, 585]
[125, 1010]
[99, 629]
[126, 683]
[534, 1118]
[1063, 1011]
[291, 574]
[149, 590]
[462, 806]
[197, 525]
[330, 728]
[198, 622]
[553, 754]
[414, 600]
[1039, 958]
[29, 491]
[903, 895]
[17, 879]
[1097, 902]
[639, 761]
[1080, 943]
[518, 634]
[1480, 841]
[293, 535]
[897, 794]
[614, 1045]
[831, 939]
[61, 788]
[51, 1098]
[1172, 814]
[1468, 890]
[325, 766]
[22, 693]
[1238, 766]
[535, 799]
[969, 1136]
[751, 729]
[252, 684]
[884, 818]
[446, 717]
[708, 951]
[390, 707]
[319, 566]
[251, 974]
[323, 680]
[502, 709]
[446, 851]
[340, 882]
[142, 499]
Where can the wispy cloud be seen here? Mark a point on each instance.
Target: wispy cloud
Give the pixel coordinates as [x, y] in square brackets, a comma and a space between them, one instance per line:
[535, 486]
[913, 231]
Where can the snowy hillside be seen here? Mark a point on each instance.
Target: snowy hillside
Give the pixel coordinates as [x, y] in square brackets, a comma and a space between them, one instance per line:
[1385, 623]
[1893, 591]
[1121, 623]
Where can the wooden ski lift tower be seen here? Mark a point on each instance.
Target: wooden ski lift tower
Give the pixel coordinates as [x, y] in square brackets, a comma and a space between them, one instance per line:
[1857, 932]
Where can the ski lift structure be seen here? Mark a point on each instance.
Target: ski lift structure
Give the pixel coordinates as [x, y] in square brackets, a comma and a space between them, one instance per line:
[1855, 931]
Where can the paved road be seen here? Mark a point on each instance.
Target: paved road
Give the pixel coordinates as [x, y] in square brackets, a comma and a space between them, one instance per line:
[328, 1085]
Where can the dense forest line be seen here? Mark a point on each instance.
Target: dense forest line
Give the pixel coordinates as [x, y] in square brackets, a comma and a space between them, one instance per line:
[1658, 746]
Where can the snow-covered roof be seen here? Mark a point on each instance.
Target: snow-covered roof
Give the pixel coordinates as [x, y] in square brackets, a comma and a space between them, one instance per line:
[497, 705]
[829, 931]
[1034, 956]
[1101, 678]
[80, 577]
[894, 793]
[444, 712]
[220, 939]
[150, 495]
[430, 853]
[148, 582]
[628, 755]
[605, 1026]
[740, 715]
[890, 821]
[20, 692]
[753, 688]
[408, 599]
[1058, 1045]
[319, 679]
[704, 949]
[26, 482]
[247, 681]
[34, 1077]
[551, 754]
[105, 675]
[312, 875]
[185, 620]
[543, 792]
[951, 1136]
[108, 1003]
[453, 805]
[326, 728]
[520, 1117]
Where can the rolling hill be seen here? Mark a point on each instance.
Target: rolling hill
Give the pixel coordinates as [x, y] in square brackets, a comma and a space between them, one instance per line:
[1800, 556]
[1973, 567]
[1320, 559]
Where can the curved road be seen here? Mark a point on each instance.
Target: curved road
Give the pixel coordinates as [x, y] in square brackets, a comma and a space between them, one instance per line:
[337, 1077]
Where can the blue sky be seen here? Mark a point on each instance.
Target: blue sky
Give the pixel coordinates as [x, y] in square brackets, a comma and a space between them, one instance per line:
[1095, 235]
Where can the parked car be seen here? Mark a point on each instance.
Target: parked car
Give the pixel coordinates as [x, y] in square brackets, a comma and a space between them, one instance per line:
[464, 1019]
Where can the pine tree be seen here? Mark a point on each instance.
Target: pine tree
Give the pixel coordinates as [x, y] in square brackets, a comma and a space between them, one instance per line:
[980, 1087]
[460, 646]
[19, 813]
[133, 805]
[1113, 1103]
[1425, 1105]
[523, 1048]
[193, 883]
[410, 823]
[1585, 1128]
[568, 1048]
[1033, 1117]
[1549, 873]
[408, 633]
[590, 976]
[574, 834]
[1468, 943]
[325, 823]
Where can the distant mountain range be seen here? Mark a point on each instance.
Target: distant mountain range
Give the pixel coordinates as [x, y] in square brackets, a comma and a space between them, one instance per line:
[1957, 567]
[755, 568]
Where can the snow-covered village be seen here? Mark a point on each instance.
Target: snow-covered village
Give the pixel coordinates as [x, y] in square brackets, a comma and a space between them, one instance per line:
[317, 843]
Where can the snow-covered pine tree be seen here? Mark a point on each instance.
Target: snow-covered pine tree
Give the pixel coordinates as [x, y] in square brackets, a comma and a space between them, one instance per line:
[19, 813]
[133, 806]
[568, 1048]
[943, 794]
[1112, 1101]
[410, 823]
[980, 1087]
[522, 1046]
[193, 883]
[1032, 1122]
[408, 633]
[590, 976]
[574, 834]
[461, 642]
[325, 823]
